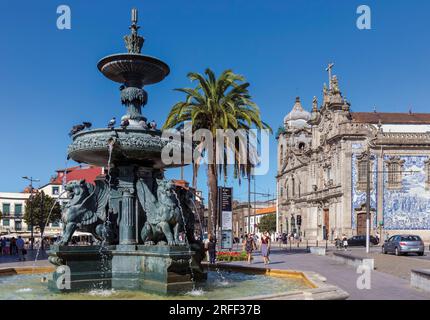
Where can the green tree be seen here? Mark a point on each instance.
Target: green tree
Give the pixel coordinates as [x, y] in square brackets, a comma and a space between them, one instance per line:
[217, 103]
[268, 223]
[38, 210]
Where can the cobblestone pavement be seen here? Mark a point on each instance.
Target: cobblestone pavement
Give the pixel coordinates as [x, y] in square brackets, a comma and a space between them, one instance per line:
[384, 286]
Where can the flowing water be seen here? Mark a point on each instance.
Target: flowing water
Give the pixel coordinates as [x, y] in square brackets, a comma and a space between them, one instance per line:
[30, 287]
[104, 256]
[186, 240]
[58, 199]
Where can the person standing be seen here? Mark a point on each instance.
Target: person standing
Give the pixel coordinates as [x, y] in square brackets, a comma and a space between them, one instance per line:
[1, 246]
[7, 247]
[265, 247]
[20, 248]
[249, 246]
[211, 248]
[13, 250]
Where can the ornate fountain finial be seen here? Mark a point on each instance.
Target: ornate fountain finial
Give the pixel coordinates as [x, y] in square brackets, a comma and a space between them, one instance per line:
[133, 41]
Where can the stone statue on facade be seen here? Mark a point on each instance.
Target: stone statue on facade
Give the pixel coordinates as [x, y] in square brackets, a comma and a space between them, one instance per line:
[87, 211]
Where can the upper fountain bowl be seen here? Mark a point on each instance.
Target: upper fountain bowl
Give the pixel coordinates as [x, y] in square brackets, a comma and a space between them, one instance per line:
[132, 67]
[129, 146]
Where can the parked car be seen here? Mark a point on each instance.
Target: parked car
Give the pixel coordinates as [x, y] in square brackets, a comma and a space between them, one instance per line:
[404, 244]
[360, 241]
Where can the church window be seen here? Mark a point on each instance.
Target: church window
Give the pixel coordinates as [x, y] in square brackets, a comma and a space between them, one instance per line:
[394, 168]
[362, 173]
[293, 187]
[301, 146]
[281, 154]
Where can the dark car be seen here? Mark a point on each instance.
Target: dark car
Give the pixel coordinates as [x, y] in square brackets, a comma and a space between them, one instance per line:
[404, 244]
[360, 241]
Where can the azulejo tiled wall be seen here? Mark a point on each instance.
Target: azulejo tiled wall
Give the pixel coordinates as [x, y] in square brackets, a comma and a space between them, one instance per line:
[408, 208]
[359, 196]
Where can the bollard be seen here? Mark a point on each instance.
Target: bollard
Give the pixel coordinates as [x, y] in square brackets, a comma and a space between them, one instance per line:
[290, 245]
[317, 243]
[326, 244]
[307, 244]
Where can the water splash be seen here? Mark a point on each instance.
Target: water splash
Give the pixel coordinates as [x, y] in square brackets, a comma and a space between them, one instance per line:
[102, 292]
[200, 220]
[195, 293]
[104, 256]
[186, 240]
[57, 200]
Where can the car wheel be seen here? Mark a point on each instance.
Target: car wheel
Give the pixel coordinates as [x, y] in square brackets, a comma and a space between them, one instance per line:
[420, 254]
[397, 252]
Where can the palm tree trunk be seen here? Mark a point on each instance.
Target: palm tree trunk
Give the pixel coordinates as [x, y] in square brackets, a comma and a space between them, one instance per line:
[213, 194]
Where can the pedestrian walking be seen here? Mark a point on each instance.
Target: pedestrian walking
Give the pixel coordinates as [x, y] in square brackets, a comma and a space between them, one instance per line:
[20, 248]
[249, 246]
[210, 247]
[338, 242]
[265, 247]
[345, 243]
[6, 250]
[1, 246]
[13, 250]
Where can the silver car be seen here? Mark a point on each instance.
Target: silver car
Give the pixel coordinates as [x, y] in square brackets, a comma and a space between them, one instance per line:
[404, 244]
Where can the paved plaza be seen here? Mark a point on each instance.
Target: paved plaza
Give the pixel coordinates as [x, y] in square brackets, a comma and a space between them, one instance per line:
[384, 286]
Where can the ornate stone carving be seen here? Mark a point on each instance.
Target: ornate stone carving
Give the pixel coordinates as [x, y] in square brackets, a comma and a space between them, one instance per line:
[86, 211]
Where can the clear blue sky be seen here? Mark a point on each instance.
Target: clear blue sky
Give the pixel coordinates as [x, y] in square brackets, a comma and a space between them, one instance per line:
[49, 80]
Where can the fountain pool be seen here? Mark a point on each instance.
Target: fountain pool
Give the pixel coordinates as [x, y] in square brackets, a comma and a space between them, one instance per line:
[232, 285]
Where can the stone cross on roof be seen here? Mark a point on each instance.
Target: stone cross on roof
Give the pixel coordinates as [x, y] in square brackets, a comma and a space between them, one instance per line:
[329, 70]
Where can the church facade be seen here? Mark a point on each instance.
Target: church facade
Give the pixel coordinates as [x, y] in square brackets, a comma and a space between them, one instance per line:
[322, 170]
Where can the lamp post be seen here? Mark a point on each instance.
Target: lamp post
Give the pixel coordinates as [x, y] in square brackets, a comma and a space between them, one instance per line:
[31, 207]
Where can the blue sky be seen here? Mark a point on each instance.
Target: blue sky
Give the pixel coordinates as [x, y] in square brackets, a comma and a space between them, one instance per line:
[49, 80]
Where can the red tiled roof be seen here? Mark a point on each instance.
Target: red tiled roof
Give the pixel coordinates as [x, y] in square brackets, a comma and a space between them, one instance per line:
[391, 118]
[89, 173]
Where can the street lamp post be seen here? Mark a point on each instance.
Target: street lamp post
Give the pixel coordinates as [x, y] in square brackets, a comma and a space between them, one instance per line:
[368, 202]
[31, 208]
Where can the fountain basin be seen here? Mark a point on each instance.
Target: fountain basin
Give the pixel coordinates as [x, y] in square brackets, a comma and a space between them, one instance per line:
[137, 146]
[125, 67]
[231, 282]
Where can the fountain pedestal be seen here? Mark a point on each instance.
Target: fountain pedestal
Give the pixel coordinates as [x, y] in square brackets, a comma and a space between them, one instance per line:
[157, 269]
[80, 268]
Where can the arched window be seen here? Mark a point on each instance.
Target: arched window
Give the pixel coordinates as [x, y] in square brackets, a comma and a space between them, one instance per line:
[281, 154]
[293, 187]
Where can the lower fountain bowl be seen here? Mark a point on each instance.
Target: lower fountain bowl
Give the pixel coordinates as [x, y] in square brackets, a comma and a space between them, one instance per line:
[129, 146]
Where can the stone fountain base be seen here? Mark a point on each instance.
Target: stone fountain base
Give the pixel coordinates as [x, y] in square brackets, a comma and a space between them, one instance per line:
[90, 268]
[157, 269]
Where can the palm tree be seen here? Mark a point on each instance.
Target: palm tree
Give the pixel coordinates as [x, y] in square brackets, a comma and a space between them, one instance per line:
[217, 103]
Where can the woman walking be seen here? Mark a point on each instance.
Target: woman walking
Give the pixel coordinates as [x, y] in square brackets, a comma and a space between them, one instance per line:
[265, 247]
[249, 246]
